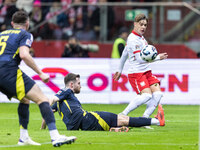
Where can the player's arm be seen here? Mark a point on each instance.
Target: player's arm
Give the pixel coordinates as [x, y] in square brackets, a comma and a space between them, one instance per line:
[123, 59]
[27, 58]
[53, 100]
[160, 56]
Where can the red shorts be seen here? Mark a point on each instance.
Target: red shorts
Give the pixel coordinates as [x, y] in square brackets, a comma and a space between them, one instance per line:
[140, 81]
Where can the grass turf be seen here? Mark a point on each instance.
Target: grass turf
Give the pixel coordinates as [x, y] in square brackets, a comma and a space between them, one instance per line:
[180, 133]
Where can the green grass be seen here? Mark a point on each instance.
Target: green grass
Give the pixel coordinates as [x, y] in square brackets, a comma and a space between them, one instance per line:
[180, 133]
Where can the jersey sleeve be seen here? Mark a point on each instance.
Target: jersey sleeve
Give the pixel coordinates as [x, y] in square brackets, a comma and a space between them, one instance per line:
[123, 59]
[26, 40]
[63, 94]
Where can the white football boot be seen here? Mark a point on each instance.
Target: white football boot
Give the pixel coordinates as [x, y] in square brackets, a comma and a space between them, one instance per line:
[27, 141]
[62, 139]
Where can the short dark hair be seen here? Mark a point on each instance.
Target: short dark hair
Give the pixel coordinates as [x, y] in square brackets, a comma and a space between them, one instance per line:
[20, 17]
[140, 17]
[70, 77]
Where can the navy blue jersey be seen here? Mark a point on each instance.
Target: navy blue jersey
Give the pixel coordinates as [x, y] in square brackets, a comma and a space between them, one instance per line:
[70, 109]
[13, 82]
[75, 117]
[10, 41]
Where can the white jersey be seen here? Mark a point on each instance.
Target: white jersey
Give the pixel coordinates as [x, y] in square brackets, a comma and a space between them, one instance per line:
[135, 43]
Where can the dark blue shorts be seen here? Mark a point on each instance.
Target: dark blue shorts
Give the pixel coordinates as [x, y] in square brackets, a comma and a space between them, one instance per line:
[14, 82]
[99, 120]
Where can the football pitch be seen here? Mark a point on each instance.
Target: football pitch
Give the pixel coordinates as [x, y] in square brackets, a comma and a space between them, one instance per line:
[181, 131]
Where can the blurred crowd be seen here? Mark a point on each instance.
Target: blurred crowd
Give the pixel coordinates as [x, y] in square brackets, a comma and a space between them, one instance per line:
[56, 19]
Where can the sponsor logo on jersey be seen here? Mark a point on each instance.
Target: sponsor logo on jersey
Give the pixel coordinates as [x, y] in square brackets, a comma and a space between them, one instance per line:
[59, 92]
[28, 42]
[137, 47]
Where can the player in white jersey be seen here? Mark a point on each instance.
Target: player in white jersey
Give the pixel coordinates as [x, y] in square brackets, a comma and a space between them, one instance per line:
[140, 77]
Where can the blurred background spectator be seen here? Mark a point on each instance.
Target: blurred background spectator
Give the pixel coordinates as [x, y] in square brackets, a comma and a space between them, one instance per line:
[95, 19]
[6, 12]
[26, 5]
[86, 34]
[52, 17]
[76, 19]
[120, 43]
[75, 49]
[36, 17]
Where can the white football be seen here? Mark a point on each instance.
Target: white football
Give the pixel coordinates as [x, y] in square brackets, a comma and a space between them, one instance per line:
[149, 53]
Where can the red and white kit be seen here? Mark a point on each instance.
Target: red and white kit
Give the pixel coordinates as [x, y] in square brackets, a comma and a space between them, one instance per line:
[139, 72]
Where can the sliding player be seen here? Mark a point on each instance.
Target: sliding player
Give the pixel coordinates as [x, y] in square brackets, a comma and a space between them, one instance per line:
[75, 117]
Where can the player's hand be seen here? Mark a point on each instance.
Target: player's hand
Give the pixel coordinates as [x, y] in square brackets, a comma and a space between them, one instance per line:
[43, 126]
[163, 56]
[116, 76]
[45, 77]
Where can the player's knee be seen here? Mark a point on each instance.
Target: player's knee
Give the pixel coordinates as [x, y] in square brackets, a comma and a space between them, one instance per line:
[25, 101]
[157, 96]
[146, 96]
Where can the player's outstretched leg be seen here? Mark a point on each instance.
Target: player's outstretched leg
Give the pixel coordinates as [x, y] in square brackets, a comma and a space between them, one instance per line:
[153, 103]
[135, 103]
[142, 121]
[36, 95]
[56, 138]
[23, 113]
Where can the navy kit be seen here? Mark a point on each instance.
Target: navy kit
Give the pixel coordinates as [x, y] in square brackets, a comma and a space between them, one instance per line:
[75, 117]
[13, 82]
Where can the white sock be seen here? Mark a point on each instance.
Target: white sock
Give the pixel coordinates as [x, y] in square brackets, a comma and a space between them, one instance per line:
[139, 100]
[153, 103]
[54, 134]
[155, 121]
[23, 134]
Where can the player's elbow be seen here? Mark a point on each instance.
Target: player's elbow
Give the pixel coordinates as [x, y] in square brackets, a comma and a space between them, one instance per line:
[23, 56]
[24, 52]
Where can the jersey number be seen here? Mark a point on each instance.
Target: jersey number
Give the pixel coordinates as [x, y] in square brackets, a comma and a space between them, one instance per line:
[3, 40]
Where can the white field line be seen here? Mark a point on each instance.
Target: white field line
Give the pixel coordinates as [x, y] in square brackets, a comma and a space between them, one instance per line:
[133, 144]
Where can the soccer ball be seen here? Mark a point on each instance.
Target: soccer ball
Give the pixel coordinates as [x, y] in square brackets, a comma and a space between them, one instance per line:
[149, 53]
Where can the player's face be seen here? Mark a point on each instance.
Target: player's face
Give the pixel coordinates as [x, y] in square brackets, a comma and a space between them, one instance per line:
[140, 27]
[77, 86]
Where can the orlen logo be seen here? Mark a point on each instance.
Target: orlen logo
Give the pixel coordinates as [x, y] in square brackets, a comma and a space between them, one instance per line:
[120, 85]
[100, 76]
[52, 73]
[172, 82]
